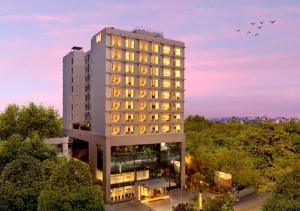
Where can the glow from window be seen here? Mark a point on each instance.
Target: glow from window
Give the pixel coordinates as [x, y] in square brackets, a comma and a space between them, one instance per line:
[129, 130]
[166, 72]
[177, 62]
[166, 83]
[143, 45]
[115, 117]
[116, 67]
[154, 117]
[178, 51]
[165, 128]
[155, 47]
[177, 95]
[154, 82]
[166, 106]
[166, 95]
[167, 61]
[143, 69]
[129, 68]
[116, 41]
[129, 117]
[177, 106]
[154, 94]
[154, 59]
[129, 92]
[129, 80]
[142, 93]
[115, 105]
[116, 92]
[143, 57]
[177, 74]
[128, 105]
[129, 56]
[154, 129]
[155, 105]
[142, 129]
[142, 117]
[115, 130]
[155, 71]
[115, 79]
[142, 105]
[177, 117]
[166, 117]
[166, 49]
[177, 84]
[115, 54]
[142, 81]
[129, 43]
[177, 128]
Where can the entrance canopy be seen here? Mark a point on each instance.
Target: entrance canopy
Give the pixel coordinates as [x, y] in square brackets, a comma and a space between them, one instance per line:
[155, 183]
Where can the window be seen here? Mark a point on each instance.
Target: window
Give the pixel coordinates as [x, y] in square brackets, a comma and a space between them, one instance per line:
[176, 128]
[142, 81]
[116, 41]
[166, 49]
[166, 117]
[177, 117]
[155, 47]
[142, 129]
[115, 130]
[166, 95]
[143, 69]
[129, 43]
[142, 93]
[154, 117]
[177, 62]
[177, 95]
[144, 45]
[165, 128]
[154, 94]
[154, 59]
[129, 117]
[142, 117]
[177, 74]
[167, 61]
[166, 83]
[154, 129]
[142, 105]
[128, 105]
[115, 117]
[129, 80]
[115, 105]
[166, 72]
[116, 67]
[115, 92]
[155, 105]
[166, 106]
[115, 79]
[178, 51]
[155, 71]
[129, 56]
[115, 54]
[129, 130]
[143, 57]
[129, 92]
[129, 68]
[177, 106]
[154, 82]
[177, 84]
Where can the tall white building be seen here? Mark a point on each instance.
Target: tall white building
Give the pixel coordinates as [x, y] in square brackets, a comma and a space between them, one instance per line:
[123, 110]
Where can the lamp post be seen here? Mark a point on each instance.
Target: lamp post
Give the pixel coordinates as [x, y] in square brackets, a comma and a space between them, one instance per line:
[197, 181]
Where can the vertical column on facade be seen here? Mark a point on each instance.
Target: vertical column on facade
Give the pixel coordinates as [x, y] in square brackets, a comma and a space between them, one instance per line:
[93, 158]
[106, 170]
[182, 164]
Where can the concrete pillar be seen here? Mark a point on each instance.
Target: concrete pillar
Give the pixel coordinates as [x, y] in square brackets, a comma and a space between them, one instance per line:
[182, 164]
[65, 150]
[106, 170]
[93, 158]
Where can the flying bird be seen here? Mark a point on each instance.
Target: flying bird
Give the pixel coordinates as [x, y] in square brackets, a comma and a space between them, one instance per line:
[261, 22]
[238, 30]
[272, 21]
[253, 23]
[256, 35]
[259, 27]
[248, 32]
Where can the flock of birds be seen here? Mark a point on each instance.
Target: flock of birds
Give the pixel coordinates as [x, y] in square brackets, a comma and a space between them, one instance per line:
[257, 25]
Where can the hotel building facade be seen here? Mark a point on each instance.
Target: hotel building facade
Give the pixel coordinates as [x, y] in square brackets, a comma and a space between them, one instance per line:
[123, 107]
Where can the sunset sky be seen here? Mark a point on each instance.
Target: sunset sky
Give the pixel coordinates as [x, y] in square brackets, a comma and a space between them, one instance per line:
[228, 73]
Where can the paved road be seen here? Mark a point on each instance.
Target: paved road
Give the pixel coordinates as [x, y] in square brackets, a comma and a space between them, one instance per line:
[252, 202]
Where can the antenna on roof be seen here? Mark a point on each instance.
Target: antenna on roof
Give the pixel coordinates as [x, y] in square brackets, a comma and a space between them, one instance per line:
[76, 48]
[149, 30]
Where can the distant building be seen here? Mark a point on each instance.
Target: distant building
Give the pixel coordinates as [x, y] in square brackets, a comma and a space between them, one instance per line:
[123, 106]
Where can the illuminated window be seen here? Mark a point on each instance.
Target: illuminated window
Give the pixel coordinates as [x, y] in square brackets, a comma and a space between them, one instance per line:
[115, 92]
[166, 106]
[115, 117]
[129, 80]
[177, 95]
[129, 92]
[166, 117]
[154, 82]
[177, 117]
[143, 69]
[177, 106]
[155, 71]
[155, 47]
[142, 129]
[154, 117]
[142, 93]
[165, 128]
[177, 74]
[115, 54]
[129, 68]
[166, 49]
[129, 130]
[143, 57]
[154, 129]
[142, 105]
[176, 128]
[115, 105]
[144, 45]
[177, 84]
[166, 72]
[115, 130]
[115, 79]
[129, 56]
[116, 67]
[154, 105]
[154, 94]
[167, 61]
[129, 105]
[116, 41]
[129, 43]
[178, 51]
[166, 95]
[142, 117]
[166, 83]
[177, 62]
[129, 117]
[142, 81]
[154, 59]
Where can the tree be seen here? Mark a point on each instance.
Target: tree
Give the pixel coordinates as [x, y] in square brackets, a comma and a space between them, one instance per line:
[184, 207]
[70, 188]
[21, 182]
[220, 203]
[286, 195]
[9, 121]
